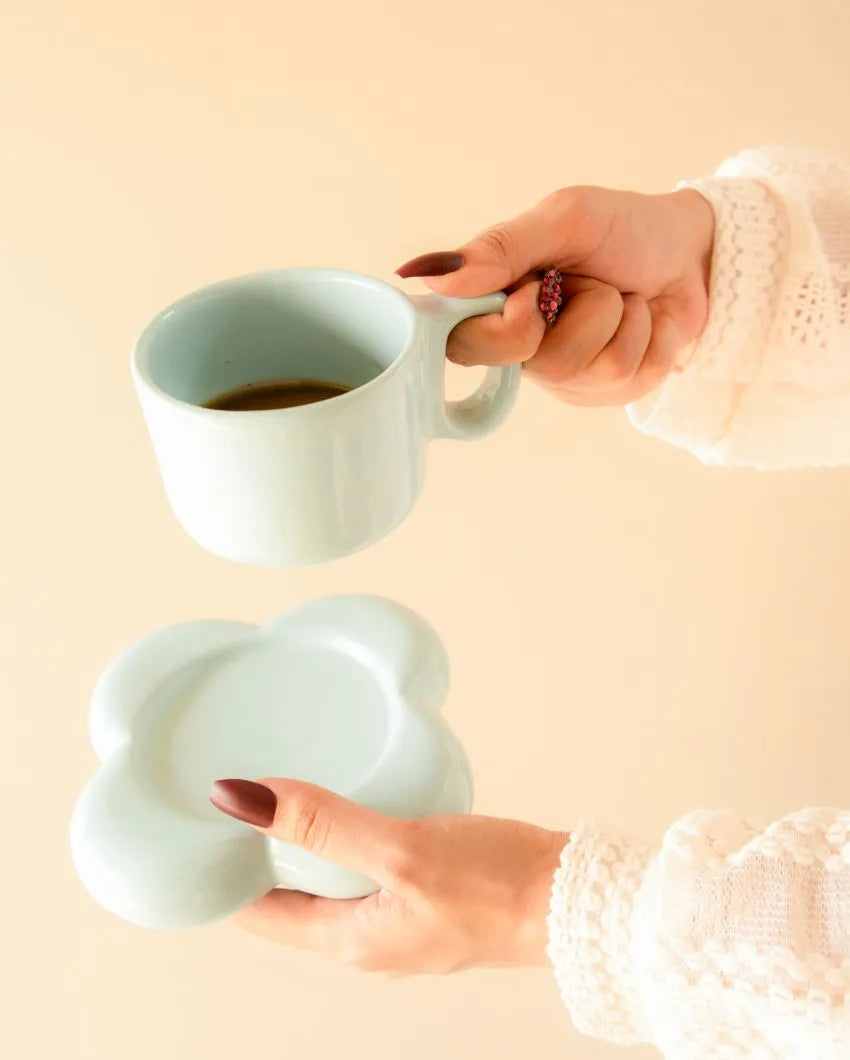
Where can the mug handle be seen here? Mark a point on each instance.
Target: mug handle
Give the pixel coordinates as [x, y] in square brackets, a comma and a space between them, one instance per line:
[488, 406]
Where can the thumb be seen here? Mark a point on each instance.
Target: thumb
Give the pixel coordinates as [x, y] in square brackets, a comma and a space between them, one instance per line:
[497, 258]
[316, 820]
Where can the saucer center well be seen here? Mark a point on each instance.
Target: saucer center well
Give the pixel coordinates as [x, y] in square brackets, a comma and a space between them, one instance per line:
[306, 711]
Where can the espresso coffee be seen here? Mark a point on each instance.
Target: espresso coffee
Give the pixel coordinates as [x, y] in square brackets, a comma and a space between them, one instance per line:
[279, 394]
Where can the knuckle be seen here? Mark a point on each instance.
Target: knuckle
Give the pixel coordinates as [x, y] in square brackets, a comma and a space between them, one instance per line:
[610, 372]
[370, 962]
[500, 241]
[562, 371]
[609, 300]
[631, 341]
[356, 954]
[620, 368]
[558, 365]
[307, 824]
[576, 204]
[406, 861]
[404, 869]
[615, 367]
[352, 952]
[562, 200]
[637, 320]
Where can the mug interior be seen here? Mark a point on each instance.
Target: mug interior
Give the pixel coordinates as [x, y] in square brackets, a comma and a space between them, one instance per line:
[289, 325]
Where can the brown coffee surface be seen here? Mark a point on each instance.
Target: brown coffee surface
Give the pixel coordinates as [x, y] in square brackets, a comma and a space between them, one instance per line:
[276, 394]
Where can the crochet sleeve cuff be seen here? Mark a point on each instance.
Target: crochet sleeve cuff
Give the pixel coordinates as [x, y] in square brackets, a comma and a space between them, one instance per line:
[728, 941]
[590, 933]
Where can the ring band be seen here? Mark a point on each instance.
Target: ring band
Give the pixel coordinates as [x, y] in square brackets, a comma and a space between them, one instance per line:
[551, 299]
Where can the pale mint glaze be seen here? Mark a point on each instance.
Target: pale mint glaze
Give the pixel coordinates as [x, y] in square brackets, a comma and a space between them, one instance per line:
[343, 692]
[295, 486]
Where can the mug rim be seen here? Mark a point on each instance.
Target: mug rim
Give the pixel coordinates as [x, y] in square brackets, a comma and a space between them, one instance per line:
[141, 347]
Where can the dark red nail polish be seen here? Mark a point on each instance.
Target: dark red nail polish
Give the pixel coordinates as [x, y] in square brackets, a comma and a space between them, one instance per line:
[246, 801]
[438, 264]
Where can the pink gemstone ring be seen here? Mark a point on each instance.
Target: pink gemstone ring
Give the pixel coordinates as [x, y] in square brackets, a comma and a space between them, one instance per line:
[551, 300]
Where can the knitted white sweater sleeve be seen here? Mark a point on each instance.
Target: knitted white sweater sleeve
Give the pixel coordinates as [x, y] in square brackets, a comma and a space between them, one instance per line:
[727, 943]
[768, 383]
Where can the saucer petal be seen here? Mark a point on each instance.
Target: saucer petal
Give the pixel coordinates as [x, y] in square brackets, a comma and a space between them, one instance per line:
[132, 677]
[150, 864]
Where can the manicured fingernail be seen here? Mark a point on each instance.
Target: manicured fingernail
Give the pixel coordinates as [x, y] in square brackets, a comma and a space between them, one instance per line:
[246, 801]
[439, 264]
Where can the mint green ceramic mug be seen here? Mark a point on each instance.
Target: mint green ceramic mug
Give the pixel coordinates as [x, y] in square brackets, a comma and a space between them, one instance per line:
[303, 485]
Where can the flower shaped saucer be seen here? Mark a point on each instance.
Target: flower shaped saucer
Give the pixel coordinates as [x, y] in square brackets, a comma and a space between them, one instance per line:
[343, 692]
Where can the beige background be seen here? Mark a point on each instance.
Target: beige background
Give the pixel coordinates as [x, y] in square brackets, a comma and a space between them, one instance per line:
[632, 635]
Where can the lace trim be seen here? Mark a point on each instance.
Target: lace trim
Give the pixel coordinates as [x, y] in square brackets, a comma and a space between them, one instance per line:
[746, 270]
[806, 206]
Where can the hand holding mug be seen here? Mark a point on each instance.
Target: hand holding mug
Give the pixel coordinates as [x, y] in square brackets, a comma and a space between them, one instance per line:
[635, 284]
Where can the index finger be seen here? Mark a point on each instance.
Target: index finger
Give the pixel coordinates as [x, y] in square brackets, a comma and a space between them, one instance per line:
[302, 921]
[548, 234]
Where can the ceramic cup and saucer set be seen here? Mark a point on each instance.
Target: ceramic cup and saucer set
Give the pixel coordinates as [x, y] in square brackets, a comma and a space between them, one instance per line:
[290, 413]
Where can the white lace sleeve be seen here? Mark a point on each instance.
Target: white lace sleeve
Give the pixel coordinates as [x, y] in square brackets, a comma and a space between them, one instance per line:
[768, 383]
[727, 943]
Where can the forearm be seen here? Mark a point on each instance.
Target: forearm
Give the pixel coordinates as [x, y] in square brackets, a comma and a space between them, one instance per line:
[724, 934]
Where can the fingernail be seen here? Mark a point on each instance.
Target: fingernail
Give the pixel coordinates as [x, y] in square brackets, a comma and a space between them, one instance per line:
[438, 264]
[457, 358]
[246, 801]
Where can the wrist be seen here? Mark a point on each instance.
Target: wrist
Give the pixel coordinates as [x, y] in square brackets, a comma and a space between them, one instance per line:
[533, 908]
[697, 220]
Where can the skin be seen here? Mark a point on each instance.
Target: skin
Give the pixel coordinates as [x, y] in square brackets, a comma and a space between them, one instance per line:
[455, 891]
[461, 891]
[636, 271]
